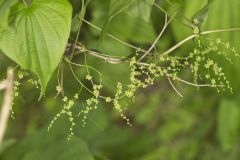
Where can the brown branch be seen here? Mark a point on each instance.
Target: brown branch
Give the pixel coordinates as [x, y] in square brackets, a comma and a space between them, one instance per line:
[7, 102]
[106, 58]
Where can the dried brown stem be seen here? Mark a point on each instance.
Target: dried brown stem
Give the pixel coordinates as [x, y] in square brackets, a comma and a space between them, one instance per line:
[7, 102]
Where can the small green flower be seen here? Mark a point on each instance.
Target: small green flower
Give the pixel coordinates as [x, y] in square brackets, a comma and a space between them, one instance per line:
[108, 99]
[65, 99]
[58, 88]
[88, 77]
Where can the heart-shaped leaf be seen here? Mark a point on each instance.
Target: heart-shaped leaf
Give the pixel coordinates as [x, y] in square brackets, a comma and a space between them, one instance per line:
[37, 36]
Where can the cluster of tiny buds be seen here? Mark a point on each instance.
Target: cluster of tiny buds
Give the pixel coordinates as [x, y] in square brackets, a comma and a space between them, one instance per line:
[68, 105]
[16, 85]
[35, 83]
[91, 103]
[196, 31]
[116, 102]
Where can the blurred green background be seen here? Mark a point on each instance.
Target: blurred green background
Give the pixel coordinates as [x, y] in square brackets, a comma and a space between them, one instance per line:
[203, 125]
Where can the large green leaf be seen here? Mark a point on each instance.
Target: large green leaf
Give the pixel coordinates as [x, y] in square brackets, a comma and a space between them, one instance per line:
[141, 9]
[228, 123]
[37, 36]
[226, 17]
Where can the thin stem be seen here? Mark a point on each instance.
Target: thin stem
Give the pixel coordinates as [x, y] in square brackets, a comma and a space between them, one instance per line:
[197, 85]
[220, 30]
[60, 79]
[159, 36]
[106, 58]
[169, 2]
[79, 81]
[114, 60]
[95, 54]
[25, 3]
[177, 45]
[113, 37]
[174, 88]
[85, 61]
[163, 10]
[79, 65]
[193, 36]
[86, 88]
[181, 80]
[83, 12]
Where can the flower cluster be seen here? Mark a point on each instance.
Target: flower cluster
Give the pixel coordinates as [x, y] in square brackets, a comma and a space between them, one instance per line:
[196, 31]
[91, 103]
[67, 110]
[35, 83]
[68, 104]
[16, 86]
[206, 71]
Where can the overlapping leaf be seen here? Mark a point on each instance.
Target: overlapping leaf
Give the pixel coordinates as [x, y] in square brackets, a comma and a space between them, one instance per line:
[4, 12]
[116, 7]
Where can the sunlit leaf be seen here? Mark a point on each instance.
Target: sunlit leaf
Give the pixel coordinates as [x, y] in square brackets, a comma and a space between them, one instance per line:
[37, 36]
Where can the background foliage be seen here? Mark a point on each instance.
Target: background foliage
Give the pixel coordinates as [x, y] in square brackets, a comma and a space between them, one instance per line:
[202, 125]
